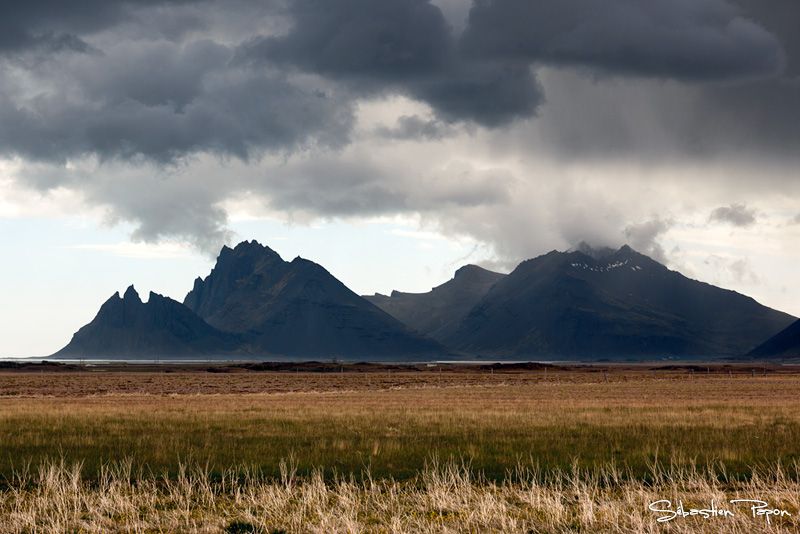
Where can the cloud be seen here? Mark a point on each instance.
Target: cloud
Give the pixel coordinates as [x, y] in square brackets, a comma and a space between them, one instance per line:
[391, 40]
[30, 24]
[735, 214]
[736, 271]
[162, 205]
[416, 128]
[161, 80]
[163, 101]
[674, 39]
[779, 18]
[356, 184]
[743, 273]
[162, 111]
[403, 46]
[643, 237]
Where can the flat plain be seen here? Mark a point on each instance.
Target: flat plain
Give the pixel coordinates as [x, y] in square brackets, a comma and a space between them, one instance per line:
[414, 448]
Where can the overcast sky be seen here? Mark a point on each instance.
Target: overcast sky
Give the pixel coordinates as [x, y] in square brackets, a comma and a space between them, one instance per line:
[392, 141]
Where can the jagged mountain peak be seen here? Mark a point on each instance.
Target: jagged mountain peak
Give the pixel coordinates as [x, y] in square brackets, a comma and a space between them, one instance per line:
[253, 245]
[127, 327]
[131, 295]
[603, 253]
[252, 249]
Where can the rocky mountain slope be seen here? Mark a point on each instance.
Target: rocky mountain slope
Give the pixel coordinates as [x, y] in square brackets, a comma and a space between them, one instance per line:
[299, 309]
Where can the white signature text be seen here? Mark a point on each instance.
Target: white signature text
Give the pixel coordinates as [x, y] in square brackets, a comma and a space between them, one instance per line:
[757, 509]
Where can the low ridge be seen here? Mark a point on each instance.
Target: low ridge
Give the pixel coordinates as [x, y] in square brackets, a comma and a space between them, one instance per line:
[785, 344]
[439, 312]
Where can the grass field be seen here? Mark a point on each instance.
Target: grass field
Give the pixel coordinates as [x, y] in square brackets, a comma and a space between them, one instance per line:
[411, 450]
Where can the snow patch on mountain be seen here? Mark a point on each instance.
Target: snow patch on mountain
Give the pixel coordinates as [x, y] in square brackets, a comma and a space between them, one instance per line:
[606, 268]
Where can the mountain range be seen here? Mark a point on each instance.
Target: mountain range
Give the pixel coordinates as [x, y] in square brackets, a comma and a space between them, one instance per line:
[252, 304]
[597, 304]
[585, 304]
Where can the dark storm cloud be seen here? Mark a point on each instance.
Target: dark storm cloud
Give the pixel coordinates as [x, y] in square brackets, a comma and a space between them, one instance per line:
[388, 40]
[614, 117]
[403, 46]
[491, 94]
[485, 74]
[675, 39]
[779, 17]
[735, 214]
[164, 83]
[761, 117]
[155, 97]
[163, 101]
[27, 24]
[228, 119]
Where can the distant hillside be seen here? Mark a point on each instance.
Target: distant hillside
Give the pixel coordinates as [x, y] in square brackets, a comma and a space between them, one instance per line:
[619, 305]
[783, 345]
[299, 309]
[439, 312]
[128, 328]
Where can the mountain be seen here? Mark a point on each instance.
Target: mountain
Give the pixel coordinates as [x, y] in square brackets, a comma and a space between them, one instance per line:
[127, 327]
[784, 344]
[584, 304]
[299, 309]
[621, 304]
[439, 312]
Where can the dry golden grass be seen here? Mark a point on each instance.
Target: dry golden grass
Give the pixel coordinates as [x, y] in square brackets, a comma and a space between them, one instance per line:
[442, 498]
